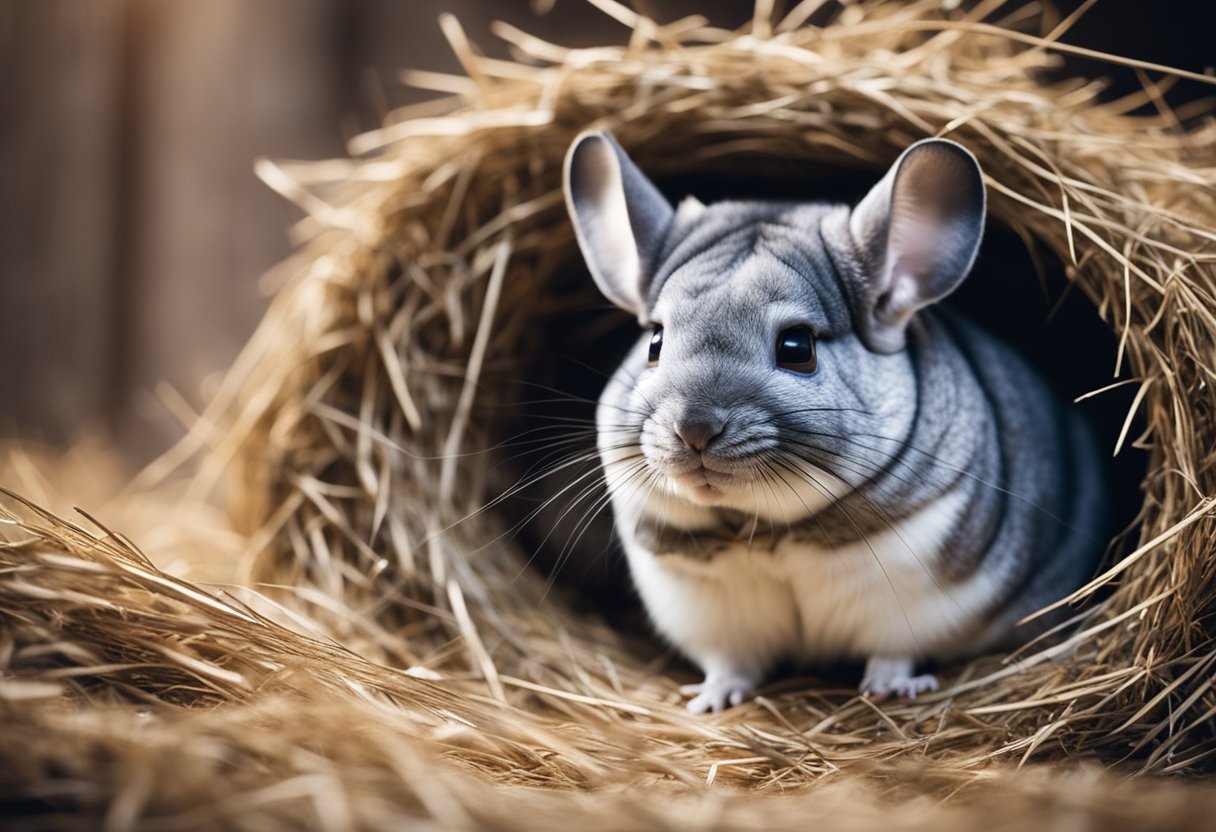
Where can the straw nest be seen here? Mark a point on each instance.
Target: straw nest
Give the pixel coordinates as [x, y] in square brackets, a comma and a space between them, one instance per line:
[400, 659]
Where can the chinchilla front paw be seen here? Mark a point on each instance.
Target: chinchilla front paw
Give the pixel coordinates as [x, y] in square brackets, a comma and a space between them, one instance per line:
[895, 676]
[721, 690]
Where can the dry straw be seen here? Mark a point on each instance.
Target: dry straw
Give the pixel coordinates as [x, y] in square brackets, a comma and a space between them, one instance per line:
[417, 669]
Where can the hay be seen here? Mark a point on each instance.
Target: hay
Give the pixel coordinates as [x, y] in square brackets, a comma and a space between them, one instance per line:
[423, 671]
[134, 700]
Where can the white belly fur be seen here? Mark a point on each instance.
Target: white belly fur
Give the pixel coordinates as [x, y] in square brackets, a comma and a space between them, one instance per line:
[811, 603]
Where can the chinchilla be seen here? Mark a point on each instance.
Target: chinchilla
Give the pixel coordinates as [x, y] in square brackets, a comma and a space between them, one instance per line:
[808, 458]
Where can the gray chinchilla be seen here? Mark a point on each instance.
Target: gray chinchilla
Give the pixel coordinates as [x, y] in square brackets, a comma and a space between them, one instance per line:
[807, 458]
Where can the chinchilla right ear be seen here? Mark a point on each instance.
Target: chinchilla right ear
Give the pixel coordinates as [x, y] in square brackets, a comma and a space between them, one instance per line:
[917, 233]
[619, 217]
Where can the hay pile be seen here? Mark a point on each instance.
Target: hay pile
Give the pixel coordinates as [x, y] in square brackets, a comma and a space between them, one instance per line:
[401, 662]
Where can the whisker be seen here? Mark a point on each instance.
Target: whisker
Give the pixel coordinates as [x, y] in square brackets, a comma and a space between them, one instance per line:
[886, 520]
[936, 460]
[640, 471]
[810, 478]
[601, 499]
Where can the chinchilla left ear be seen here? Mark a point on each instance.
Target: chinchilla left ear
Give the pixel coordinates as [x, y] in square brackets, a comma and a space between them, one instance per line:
[917, 232]
[619, 217]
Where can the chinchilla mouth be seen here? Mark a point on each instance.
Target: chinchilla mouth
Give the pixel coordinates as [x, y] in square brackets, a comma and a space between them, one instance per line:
[703, 474]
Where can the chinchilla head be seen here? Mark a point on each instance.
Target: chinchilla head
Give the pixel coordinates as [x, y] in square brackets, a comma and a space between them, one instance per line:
[775, 370]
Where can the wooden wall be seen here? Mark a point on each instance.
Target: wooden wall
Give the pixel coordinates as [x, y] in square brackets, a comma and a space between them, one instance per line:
[132, 229]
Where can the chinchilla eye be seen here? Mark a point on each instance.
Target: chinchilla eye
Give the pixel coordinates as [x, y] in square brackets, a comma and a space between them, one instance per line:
[656, 345]
[796, 350]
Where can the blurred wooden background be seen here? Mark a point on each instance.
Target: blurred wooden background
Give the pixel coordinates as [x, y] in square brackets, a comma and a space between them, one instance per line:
[132, 229]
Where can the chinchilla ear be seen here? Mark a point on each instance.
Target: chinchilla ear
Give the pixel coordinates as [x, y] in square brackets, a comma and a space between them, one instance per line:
[619, 217]
[917, 231]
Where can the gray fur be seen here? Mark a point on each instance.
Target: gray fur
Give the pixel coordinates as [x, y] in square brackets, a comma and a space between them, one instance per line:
[910, 403]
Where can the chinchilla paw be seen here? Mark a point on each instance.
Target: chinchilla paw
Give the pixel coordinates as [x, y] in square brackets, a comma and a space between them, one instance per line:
[718, 692]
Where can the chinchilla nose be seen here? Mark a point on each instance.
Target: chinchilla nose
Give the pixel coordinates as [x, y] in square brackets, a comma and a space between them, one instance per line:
[697, 430]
